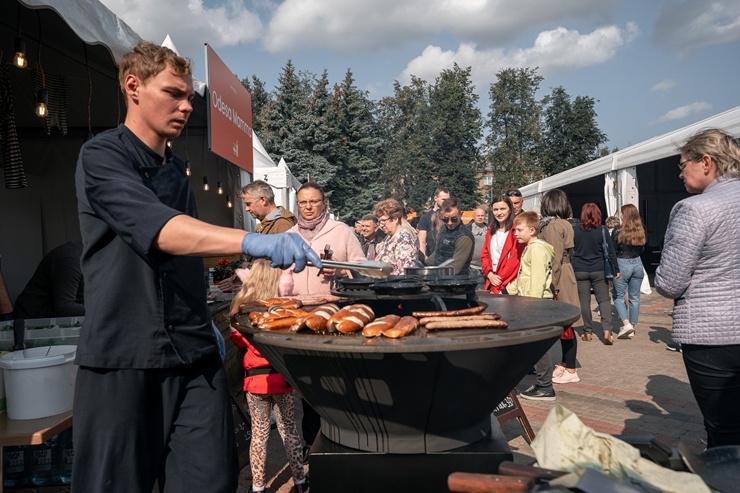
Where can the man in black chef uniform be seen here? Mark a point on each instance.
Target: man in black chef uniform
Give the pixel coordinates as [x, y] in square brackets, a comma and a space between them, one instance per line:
[151, 397]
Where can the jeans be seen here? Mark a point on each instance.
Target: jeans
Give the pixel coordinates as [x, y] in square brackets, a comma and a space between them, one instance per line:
[714, 375]
[629, 281]
[596, 280]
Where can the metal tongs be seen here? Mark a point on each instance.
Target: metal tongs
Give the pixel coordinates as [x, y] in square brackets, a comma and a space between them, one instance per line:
[369, 268]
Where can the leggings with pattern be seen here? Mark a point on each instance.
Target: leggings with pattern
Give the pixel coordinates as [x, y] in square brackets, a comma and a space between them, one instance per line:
[283, 406]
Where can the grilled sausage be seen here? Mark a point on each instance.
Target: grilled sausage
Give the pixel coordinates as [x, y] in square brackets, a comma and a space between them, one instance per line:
[467, 324]
[318, 319]
[374, 328]
[351, 318]
[482, 316]
[451, 313]
[404, 327]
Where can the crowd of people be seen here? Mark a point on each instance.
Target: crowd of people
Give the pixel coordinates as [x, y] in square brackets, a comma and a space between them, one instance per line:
[147, 347]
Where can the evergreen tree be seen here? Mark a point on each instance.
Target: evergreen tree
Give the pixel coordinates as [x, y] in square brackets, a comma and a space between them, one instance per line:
[261, 99]
[456, 126]
[404, 123]
[514, 143]
[355, 187]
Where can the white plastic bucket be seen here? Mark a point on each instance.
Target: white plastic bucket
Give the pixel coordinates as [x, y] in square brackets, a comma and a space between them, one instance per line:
[40, 381]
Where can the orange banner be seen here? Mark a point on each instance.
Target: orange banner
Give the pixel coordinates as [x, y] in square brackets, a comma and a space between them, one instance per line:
[230, 114]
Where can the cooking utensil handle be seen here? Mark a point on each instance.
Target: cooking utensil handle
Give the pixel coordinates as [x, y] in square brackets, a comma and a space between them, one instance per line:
[509, 468]
[470, 482]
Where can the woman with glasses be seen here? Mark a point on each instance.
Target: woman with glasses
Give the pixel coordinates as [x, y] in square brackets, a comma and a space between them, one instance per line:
[588, 264]
[700, 270]
[320, 232]
[630, 240]
[398, 248]
[501, 252]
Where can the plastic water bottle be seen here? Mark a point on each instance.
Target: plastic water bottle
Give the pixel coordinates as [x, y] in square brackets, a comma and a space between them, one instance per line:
[43, 462]
[66, 456]
[15, 466]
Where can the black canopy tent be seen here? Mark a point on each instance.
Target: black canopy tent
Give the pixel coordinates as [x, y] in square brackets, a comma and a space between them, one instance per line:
[77, 42]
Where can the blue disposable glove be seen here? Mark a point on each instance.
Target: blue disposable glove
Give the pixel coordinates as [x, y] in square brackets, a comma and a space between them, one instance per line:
[284, 249]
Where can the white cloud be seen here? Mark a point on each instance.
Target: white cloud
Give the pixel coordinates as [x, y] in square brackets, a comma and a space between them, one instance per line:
[689, 25]
[664, 85]
[191, 23]
[555, 50]
[682, 112]
[346, 26]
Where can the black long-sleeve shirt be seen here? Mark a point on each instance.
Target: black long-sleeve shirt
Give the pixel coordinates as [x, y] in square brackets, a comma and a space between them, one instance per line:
[56, 288]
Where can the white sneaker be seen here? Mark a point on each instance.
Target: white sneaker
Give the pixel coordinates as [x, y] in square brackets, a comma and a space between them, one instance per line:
[567, 377]
[625, 331]
[558, 371]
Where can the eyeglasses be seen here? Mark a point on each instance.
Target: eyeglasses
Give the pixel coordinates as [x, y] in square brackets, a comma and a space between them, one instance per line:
[513, 193]
[448, 220]
[682, 164]
[304, 203]
[382, 221]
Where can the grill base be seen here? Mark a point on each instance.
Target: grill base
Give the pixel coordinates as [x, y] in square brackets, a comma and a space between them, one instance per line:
[335, 468]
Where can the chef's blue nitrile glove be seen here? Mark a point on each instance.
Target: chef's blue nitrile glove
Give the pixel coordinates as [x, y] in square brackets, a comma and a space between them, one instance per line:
[284, 249]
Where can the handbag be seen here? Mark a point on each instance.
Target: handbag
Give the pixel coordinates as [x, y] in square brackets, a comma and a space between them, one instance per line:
[609, 269]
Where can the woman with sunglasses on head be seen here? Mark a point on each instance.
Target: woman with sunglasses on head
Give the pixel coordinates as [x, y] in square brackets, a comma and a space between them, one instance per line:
[501, 252]
[398, 248]
[699, 269]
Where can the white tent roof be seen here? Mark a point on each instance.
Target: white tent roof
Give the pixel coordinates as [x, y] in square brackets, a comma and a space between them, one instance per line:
[93, 22]
[644, 152]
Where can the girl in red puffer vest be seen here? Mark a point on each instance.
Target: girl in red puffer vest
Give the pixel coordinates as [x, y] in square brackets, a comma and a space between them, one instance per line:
[266, 390]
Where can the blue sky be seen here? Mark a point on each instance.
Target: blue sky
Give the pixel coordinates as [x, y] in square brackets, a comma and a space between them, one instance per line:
[652, 65]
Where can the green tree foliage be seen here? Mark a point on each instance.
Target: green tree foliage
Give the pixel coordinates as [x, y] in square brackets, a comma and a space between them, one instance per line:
[456, 127]
[422, 137]
[356, 184]
[572, 136]
[515, 139]
[404, 123]
[261, 100]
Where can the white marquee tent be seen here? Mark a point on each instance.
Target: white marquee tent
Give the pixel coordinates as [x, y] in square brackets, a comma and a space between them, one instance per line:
[619, 168]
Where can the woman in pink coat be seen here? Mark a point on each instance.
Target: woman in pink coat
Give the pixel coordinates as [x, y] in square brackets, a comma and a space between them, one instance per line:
[319, 231]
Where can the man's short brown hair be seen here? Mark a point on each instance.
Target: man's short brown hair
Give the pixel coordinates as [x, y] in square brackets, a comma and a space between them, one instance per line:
[147, 59]
[530, 219]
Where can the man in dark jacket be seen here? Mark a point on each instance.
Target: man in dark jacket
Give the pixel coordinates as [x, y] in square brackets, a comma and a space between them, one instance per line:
[370, 235]
[455, 240]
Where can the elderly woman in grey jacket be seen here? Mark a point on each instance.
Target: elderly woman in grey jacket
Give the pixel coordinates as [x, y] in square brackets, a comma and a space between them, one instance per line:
[700, 270]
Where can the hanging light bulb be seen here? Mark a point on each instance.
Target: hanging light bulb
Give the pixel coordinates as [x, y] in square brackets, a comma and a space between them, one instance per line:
[42, 103]
[219, 188]
[205, 183]
[229, 204]
[20, 59]
[188, 168]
